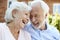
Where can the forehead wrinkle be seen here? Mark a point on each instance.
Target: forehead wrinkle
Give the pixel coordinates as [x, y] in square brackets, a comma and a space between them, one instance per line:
[38, 5]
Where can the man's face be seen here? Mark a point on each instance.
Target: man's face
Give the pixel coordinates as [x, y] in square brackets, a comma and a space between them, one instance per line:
[21, 18]
[37, 16]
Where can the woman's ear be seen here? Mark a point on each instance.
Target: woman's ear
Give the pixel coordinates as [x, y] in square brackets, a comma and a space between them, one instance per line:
[14, 12]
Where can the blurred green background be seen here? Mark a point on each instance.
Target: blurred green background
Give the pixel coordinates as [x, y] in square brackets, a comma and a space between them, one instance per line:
[54, 20]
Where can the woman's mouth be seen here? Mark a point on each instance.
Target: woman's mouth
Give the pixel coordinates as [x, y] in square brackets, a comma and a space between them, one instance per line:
[25, 21]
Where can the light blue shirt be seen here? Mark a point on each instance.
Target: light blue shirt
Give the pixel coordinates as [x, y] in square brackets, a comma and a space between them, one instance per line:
[51, 33]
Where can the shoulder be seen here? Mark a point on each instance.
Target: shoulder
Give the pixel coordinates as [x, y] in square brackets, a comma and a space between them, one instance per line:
[2, 30]
[5, 32]
[27, 34]
[27, 26]
[53, 31]
[24, 34]
[3, 26]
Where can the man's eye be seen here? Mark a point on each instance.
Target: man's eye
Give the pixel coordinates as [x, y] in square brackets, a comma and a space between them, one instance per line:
[35, 15]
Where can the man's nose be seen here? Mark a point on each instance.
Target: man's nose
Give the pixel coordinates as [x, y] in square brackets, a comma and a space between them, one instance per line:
[33, 19]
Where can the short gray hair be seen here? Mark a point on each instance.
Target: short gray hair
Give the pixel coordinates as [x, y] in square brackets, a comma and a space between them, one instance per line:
[16, 5]
[44, 6]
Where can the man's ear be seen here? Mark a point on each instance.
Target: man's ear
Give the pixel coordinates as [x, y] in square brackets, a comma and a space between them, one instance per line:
[46, 15]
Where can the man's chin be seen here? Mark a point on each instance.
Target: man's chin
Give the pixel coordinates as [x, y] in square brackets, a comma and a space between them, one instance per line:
[36, 26]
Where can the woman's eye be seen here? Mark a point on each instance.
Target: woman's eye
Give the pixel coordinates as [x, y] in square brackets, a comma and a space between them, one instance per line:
[26, 14]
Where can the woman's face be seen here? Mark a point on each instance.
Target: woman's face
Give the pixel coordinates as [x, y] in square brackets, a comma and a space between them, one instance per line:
[21, 18]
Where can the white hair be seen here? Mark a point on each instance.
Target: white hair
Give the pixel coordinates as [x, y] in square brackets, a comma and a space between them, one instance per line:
[44, 6]
[16, 5]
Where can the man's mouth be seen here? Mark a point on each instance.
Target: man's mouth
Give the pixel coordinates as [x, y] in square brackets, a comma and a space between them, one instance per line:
[36, 23]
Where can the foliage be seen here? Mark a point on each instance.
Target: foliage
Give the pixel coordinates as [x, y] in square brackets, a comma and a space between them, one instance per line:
[54, 20]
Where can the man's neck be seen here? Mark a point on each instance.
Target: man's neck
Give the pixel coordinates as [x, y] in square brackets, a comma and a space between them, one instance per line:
[43, 27]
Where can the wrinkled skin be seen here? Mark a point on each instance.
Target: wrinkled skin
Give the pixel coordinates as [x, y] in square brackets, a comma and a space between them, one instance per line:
[20, 18]
[37, 15]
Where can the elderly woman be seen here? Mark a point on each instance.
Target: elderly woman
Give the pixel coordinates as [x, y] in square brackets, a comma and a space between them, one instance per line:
[38, 27]
[16, 17]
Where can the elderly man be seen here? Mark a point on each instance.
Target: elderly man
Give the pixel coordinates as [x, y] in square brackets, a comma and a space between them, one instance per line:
[38, 27]
[16, 18]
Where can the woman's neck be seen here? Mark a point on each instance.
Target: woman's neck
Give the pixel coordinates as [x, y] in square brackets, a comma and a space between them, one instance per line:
[14, 30]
